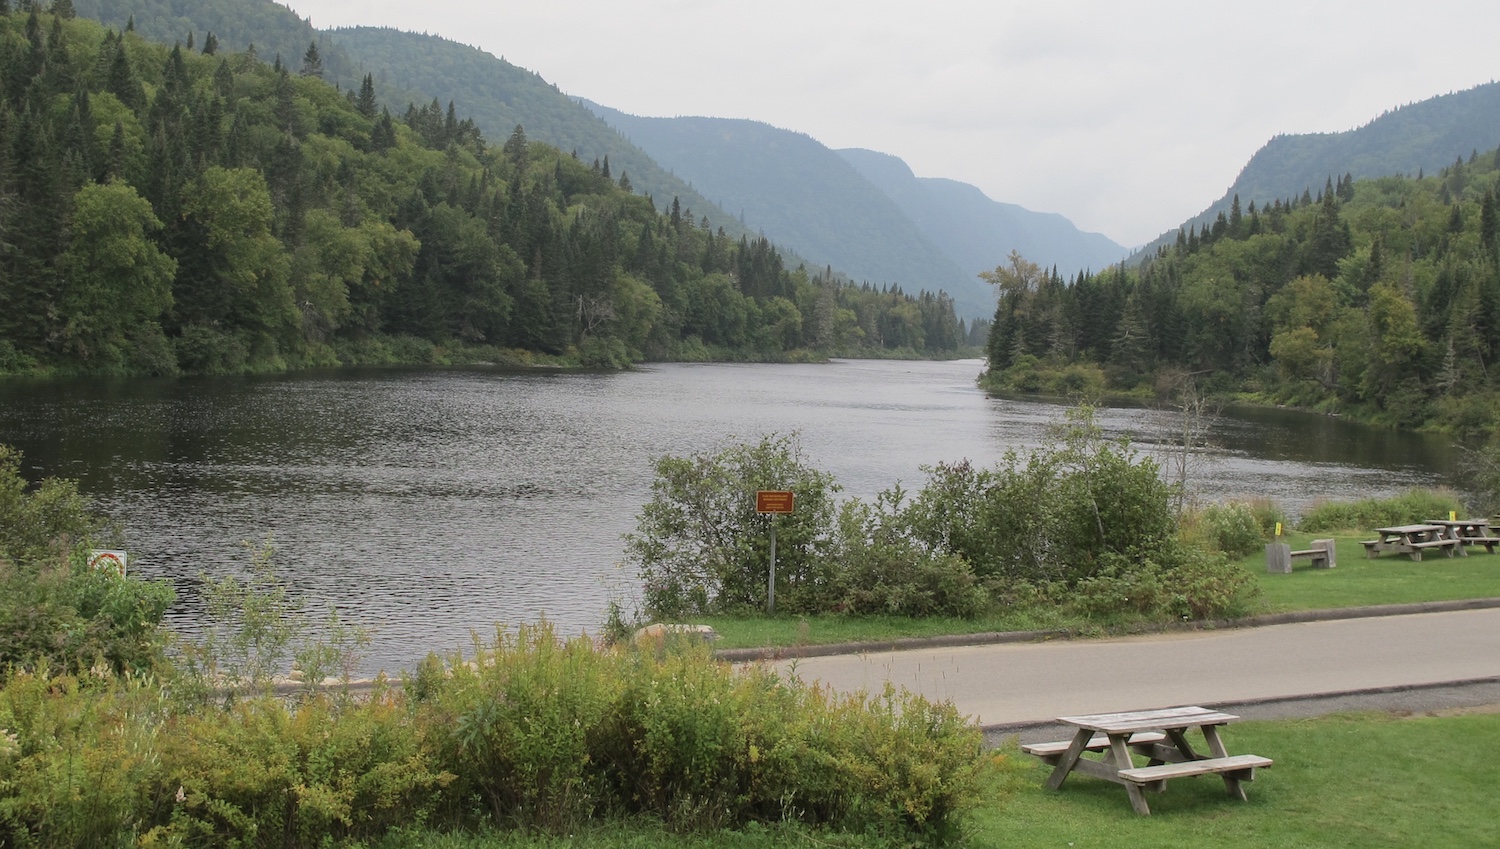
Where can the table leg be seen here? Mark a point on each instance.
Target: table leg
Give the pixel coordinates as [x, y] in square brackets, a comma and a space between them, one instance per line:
[1137, 799]
[1066, 761]
[1119, 752]
[1216, 748]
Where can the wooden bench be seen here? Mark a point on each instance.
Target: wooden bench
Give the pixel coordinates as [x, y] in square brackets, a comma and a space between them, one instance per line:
[1448, 546]
[1050, 752]
[1233, 768]
[1241, 767]
[1279, 556]
[1489, 543]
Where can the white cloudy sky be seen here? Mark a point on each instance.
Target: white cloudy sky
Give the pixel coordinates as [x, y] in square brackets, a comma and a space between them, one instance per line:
[1127, 117]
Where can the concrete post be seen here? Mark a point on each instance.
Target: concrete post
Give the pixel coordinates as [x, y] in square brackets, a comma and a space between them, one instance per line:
[1278, 558]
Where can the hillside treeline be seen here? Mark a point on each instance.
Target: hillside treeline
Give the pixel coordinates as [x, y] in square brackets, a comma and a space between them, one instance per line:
[1379, 298]
[186, 209]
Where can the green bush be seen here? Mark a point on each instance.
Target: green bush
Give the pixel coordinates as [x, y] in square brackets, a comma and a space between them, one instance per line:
[700, 547]
[266, 773]
[532, 733]
[55, 612]
[881, 567]
[1233, 528]
[1268, 514]
[1414, 506]
[1181, 582]
[1080, 508]
[83, 760]
[684, 734]
[521, 725]
[1055, 514]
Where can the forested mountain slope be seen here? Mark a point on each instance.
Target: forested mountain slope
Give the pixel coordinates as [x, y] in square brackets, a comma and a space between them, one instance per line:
[170, 210]
[1412, 139]
[804, 195]
[411, 68]
[1378, 298]
[499, 96]
[979, 233]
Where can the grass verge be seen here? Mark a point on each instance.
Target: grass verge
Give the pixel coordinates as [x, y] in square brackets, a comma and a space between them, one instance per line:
[1357, 581]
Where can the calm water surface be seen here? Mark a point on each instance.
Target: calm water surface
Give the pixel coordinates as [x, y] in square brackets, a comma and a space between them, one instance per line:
[429, 503]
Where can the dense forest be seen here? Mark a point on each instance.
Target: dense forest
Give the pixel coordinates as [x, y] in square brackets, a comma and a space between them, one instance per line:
[190, 209]
[1379, 298]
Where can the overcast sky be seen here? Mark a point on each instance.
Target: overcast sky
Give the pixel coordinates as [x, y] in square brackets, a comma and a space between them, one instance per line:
[1127, 117]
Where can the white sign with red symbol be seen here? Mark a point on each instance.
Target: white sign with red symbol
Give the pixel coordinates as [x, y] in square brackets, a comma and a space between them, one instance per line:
[108, 561]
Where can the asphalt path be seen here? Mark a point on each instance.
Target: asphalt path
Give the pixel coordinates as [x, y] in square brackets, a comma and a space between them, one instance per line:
[1417, 662]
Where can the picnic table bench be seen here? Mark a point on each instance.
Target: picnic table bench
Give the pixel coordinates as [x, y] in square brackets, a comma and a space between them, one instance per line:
[1411, 540]
[1469, 533]
[1158, 735]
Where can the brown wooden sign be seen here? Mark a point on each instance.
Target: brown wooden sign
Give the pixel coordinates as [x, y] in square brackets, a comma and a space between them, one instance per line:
[773, 501]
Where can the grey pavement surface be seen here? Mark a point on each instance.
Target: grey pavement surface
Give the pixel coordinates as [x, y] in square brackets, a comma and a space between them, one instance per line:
[1418, 662]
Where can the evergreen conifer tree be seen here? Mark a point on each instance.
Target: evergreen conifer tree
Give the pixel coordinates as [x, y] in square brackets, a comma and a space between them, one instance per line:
[312, 63]
[1489, 221]
[365, 103]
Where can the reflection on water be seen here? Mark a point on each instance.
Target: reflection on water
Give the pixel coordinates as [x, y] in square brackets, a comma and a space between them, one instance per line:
[427, 503]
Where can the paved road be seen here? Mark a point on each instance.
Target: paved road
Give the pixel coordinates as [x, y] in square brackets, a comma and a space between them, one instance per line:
[1024, 685]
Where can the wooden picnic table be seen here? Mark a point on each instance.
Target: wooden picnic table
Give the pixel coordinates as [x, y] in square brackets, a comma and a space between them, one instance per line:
[1469, 532]
[1160, 736]
[1411, 540]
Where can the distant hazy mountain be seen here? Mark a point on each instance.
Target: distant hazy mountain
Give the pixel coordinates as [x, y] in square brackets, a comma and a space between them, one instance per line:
[802, 194]
[1424, 136]
[979, 233]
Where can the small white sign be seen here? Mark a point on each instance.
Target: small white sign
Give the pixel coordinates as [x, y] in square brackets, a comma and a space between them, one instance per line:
[109, 561]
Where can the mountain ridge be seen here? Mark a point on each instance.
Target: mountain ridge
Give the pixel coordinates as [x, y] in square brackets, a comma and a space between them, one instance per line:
[963, 220]
[803, 194]
[1426, 135]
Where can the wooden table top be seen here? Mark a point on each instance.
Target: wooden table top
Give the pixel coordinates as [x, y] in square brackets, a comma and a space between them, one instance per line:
[1409, 529]
[1149, 720]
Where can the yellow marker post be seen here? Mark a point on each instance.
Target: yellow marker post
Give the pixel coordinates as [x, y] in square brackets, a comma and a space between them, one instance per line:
[1453, 515]
[1278, 530]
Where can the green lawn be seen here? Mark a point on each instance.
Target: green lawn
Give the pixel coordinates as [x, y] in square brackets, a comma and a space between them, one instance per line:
[1388, 579]
[1356, 780]
[1351, 780]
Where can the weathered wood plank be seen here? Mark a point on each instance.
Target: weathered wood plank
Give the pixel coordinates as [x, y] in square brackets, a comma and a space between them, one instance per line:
[1163, 772]
[1123, 723]
[1097, 743]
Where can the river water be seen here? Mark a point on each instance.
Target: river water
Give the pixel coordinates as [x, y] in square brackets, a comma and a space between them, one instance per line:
[430, 503]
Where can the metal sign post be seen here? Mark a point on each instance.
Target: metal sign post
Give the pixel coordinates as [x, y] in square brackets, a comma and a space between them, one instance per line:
[773, 502]
[771, 577]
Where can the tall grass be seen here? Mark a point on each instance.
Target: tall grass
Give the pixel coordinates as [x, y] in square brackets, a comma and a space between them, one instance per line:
[1368, 513]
